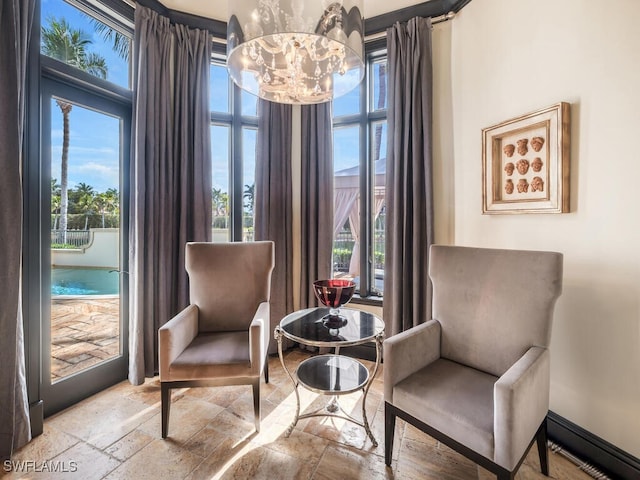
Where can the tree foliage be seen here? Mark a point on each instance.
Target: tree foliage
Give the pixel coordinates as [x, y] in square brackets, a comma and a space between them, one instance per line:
[71, 45]
[87, 208]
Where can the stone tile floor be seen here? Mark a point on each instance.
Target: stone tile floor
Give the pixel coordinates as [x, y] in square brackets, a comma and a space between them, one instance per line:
[84, 332]
[116, 435]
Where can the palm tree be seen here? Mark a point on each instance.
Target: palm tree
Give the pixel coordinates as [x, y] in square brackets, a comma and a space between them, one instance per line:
[113, 201]
[69, 45]
[107, 202]
[249, 196]
[219, 201]
[85, 201]
[121, 44]
[55, 202]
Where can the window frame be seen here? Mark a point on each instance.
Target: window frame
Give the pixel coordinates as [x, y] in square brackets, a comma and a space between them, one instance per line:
[236, 122]
[364, 120]
[36, 232]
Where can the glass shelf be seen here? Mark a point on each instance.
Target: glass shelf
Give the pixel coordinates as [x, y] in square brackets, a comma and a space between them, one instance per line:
[332, 374]
[307, 327]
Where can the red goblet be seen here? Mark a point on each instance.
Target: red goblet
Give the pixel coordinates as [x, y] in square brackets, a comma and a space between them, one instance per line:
[334, 293]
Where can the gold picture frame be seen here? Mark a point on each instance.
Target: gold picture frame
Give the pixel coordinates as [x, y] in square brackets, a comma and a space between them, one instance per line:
[525, 163]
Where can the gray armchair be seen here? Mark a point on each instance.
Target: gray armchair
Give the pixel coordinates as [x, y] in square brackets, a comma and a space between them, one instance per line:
[222, 337]
[476, 375]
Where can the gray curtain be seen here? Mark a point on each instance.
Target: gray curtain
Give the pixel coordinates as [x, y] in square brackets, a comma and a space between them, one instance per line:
[16, 18]
[316, 199]
[273, 202]
[409, 218]
[170, 175]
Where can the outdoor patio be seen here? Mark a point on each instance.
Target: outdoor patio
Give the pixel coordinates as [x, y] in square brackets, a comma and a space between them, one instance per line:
[84, 332]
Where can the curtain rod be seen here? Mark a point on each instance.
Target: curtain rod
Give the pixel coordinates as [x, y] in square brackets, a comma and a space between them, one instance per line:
[434, 20]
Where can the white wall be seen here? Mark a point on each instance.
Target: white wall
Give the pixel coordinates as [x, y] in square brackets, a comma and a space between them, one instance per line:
[512, 57]
[103, 251]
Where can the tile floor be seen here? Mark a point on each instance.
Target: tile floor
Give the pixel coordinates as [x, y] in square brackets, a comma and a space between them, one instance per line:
[116, 435]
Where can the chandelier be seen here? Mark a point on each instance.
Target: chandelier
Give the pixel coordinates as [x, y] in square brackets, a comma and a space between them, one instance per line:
[295, 51]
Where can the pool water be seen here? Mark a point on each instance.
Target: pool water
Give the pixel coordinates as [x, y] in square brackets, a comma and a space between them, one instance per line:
[84, 281]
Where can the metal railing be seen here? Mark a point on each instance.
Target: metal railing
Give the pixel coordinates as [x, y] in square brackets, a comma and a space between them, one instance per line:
[70, 238]
[343, 247]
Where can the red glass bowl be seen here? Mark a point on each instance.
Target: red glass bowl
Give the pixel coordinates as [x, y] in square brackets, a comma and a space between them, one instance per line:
[334, 293]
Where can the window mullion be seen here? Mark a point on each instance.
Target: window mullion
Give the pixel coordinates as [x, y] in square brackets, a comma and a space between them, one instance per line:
[365, 193]
[237, 207]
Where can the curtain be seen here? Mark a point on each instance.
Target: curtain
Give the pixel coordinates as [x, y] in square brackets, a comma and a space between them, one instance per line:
[354, 222]
[344, 200]
[273, 202]
[409, 219]
[316, 199]
[170, 176]
[16, 18]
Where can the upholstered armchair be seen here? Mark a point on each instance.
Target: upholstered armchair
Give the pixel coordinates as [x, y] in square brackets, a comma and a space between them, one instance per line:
[222, 337]
[476, 375]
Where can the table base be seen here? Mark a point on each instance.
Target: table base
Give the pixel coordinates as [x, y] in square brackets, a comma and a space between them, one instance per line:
[332, 408]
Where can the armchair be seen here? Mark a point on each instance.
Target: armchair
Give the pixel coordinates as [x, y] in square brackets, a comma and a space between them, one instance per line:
[476, 375]
[222, 337]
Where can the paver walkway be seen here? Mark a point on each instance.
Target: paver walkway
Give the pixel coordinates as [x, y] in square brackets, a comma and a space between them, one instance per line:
[84, 332]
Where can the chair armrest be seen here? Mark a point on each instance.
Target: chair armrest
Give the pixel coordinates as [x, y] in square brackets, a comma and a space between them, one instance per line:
[259, 338]
[409, 351]
[521, 402]
[174, 336]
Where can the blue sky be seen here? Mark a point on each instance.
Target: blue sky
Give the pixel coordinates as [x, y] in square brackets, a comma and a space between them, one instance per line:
[220, 136]
[118, 68]
[94, 155]
[95, 137]
[94, 141]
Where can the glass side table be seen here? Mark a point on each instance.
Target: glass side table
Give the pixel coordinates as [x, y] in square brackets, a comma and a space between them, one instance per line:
[332, 374]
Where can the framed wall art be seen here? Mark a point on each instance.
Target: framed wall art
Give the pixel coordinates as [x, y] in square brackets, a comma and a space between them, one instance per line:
[525, 163]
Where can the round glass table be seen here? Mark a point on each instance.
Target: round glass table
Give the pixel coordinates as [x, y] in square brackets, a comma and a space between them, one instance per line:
[331, 374]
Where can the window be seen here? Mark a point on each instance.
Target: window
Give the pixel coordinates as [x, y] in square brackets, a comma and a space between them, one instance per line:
[360, 144]
[86, 38]
[77, 177]
[234, 127]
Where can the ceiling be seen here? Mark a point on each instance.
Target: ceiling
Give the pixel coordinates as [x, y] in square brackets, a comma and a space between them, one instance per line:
[217, 9]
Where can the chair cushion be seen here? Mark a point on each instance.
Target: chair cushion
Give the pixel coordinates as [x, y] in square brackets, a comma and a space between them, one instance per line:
[484, 294]
[454, 399]
[213, 355]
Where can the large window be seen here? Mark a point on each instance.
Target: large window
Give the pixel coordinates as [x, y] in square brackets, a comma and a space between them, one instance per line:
[360, 144]
[78, 186]
[234, 126]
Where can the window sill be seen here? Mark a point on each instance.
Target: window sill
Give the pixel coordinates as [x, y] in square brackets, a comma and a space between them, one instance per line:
[371, 300]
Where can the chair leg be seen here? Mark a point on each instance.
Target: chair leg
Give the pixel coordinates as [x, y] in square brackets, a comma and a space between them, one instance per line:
[165, 398]
[256, 403]
[266, 369]
[543, 454]
[505, 476]
[389, 429]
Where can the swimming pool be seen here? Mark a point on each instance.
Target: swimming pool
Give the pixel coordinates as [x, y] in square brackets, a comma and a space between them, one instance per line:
[84, 281]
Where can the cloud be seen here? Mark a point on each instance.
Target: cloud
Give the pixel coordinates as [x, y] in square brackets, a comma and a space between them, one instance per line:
[101, 177]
